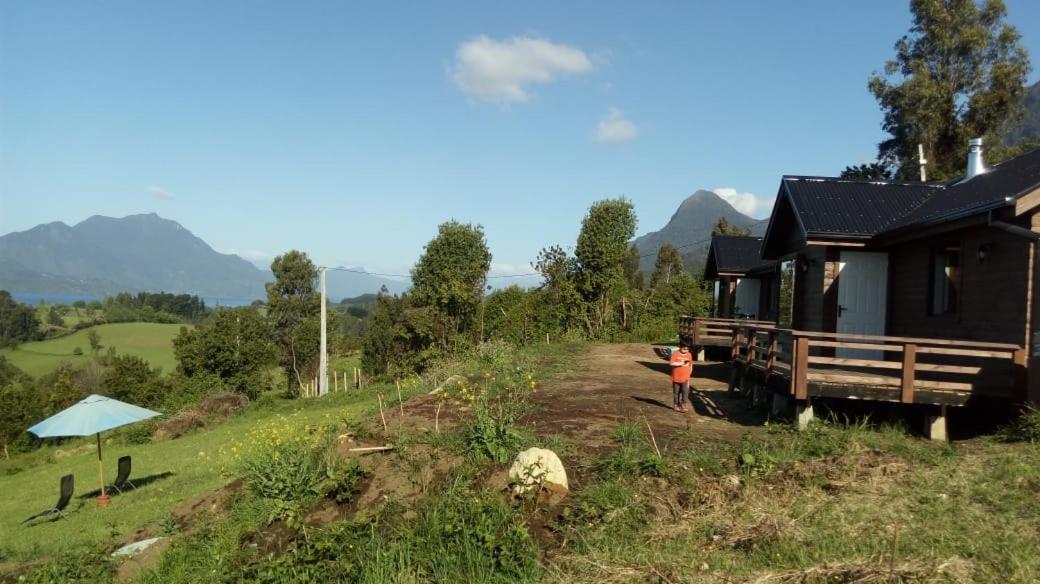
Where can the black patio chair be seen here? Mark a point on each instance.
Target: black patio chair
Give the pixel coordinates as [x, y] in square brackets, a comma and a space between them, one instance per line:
[123, 475]
[67, 487]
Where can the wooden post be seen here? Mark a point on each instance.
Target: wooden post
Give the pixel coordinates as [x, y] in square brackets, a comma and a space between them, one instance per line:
[800, 368]
[771, 355]
[381, 416]
[907, 383]
[734, 350]
[696, 332]
[400, 402]
[1020, 359]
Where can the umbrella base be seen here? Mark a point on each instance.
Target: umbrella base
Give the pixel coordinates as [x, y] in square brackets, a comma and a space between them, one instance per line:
[103, 501]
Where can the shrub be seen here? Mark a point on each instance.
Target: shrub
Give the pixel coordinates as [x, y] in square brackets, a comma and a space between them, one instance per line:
[77, 351]
[492, 432]
[288, 461]
[1024, 429]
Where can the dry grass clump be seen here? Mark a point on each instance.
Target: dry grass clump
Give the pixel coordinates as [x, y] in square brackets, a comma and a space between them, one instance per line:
[953, 570]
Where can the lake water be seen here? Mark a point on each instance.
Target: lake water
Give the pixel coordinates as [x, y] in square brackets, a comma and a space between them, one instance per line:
[37, 297]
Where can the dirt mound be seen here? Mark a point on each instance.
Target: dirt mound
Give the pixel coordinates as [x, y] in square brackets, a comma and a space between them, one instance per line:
[223, 404]
[179, 424]
[189, 513]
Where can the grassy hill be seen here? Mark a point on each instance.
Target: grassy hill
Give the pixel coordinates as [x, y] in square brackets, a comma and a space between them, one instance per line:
[150, 341]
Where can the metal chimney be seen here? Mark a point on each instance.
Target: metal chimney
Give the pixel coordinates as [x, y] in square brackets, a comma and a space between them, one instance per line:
[976, 166]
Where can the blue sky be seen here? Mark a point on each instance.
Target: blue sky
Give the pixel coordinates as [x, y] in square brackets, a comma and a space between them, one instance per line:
[350, 130]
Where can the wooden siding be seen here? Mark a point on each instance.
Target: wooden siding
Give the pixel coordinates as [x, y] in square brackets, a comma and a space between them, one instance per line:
[994, 294]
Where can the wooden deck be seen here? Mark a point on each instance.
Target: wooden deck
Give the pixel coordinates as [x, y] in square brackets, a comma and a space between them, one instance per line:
[895, 369]
[699, 332]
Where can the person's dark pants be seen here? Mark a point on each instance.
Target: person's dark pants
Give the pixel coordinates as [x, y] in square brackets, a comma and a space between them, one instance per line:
[680, 391]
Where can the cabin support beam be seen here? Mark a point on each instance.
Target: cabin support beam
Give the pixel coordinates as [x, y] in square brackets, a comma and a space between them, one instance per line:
[935, 424]
[780, 404]
[803, 411]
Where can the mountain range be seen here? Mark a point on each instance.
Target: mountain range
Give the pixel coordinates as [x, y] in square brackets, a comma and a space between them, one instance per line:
[106, 255]
[690, 228]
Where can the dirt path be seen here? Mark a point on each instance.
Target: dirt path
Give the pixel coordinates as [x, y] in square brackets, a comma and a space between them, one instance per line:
[618, 383]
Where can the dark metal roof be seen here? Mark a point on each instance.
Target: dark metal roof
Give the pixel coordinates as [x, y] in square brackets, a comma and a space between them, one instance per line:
[831, 207]
[992, 189]
[735, 254]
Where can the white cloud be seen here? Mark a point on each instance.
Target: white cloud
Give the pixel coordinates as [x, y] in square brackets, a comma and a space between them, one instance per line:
[254, 256]
[500, 71]
[615, 128]
[747, 203]
[160, 193]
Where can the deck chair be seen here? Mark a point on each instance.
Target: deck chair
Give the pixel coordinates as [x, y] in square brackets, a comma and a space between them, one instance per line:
[123, 475]
[67, 487]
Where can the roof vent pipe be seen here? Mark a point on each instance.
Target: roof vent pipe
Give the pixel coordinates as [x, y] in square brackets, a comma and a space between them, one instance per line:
[975, 164]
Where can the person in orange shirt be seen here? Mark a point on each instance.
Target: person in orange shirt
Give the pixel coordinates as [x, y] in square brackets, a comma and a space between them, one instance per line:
[682, 369]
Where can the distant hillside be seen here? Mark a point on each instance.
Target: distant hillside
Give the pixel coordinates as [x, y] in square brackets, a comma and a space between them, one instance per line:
[106, 255]
[690, 227]
[1028, 129]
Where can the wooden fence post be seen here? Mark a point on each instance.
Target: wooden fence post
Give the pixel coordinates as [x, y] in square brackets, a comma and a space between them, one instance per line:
[734, 350]
[800, 368]
[771, 355]
[696, 332]
[907, 383]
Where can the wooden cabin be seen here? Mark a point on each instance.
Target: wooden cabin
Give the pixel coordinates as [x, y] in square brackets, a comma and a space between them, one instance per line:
[920, 293]
[745, 285]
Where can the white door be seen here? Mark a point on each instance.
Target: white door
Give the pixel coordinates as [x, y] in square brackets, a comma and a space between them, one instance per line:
[747, 297]
[862, 298]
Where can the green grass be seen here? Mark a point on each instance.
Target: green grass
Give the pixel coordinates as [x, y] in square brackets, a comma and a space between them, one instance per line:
[150, 341]
[195, 462]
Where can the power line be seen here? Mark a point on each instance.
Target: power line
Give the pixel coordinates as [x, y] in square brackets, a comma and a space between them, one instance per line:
[356, 270]
[527, 275]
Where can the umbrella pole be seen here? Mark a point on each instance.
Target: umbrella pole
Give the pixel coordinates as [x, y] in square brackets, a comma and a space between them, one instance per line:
[103, 499]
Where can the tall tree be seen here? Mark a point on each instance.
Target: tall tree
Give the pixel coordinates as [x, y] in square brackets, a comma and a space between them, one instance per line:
[292, 301]
[868, 171]
[601, 253]
[20, 407]
[633, 275]
[18, 322]
[669, 263]
[451, 276]
[235, 346]
[959, 73]
[724, 227]
[559, 272]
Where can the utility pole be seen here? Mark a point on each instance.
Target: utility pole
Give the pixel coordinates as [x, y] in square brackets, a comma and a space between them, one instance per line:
[323, 367]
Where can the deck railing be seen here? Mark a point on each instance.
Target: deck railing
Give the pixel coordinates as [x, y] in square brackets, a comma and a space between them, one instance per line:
[703, 331]
[904, 365]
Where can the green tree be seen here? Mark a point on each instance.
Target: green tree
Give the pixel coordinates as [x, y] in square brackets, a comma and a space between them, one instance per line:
[131, 379]
[601, 253]
[451, 276]
[724, 227]
[20, 408]
[292, 300]
[669, 263]
[399, 337]
[54, 317]
[867, 171]
[563, 303]
[18, 322]
[235, 346]
[95, 341]
[63, 392]
[633, 275]
[959, 73]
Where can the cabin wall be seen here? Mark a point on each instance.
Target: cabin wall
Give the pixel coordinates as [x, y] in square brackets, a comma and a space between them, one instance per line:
[769, 296]
[809, 289]
[994, 296]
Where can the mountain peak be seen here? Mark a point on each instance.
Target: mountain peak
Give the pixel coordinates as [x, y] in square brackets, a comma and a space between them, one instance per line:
[689, 228]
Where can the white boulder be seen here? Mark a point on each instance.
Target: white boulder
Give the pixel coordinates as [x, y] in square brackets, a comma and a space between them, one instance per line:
[536, 467]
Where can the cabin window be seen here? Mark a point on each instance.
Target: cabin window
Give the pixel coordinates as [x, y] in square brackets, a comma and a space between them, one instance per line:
[786, 294]
[945, 280]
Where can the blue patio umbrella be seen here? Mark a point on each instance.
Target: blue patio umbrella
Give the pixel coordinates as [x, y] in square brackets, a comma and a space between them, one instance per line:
[93, 415]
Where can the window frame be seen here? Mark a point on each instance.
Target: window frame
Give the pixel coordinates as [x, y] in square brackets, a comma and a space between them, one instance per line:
[953, 305]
